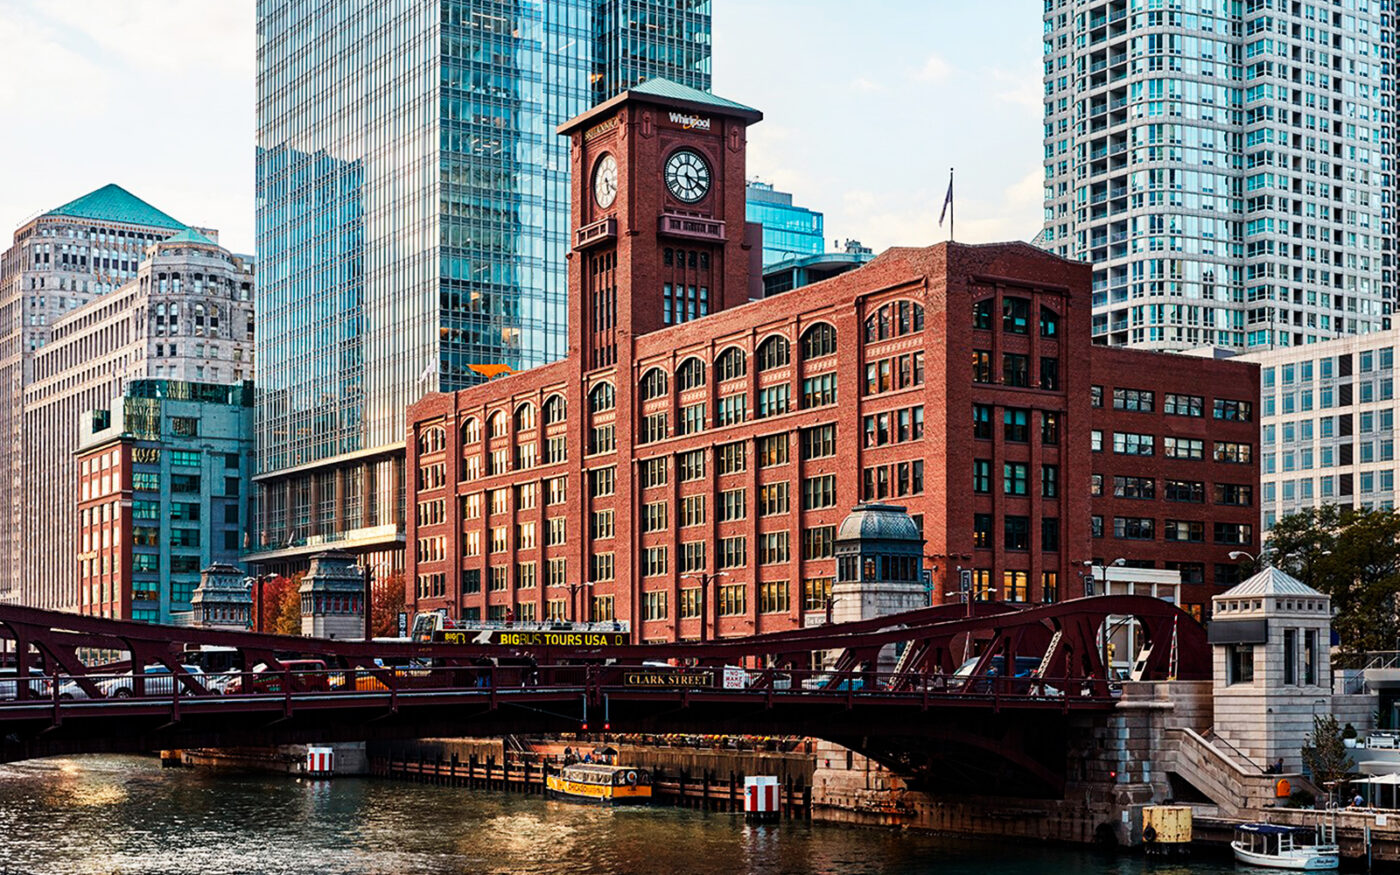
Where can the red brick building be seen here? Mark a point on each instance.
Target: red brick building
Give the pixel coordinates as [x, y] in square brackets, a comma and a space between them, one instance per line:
[693, 431]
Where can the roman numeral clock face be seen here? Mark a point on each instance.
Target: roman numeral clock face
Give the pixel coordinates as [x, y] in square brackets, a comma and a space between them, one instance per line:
[687, 176]
[605, 181]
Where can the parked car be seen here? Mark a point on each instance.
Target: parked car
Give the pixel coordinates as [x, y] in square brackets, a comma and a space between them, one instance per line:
[39, 686]
[307, 675]
[159, 682]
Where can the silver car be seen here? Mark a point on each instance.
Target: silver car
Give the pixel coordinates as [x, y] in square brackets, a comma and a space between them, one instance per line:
[9, 684]
[159, 682]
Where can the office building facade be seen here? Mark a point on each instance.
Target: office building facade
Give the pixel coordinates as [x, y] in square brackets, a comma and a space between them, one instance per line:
[58, 261]
[164, 473]
[412, 226]
[695, 453]
[187, 315]
[1227, 168]
[1327, 429]
[789, 231]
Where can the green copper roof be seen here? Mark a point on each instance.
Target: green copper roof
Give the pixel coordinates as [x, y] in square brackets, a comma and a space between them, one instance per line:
[190, 235]
[112, 203]
[660, 87]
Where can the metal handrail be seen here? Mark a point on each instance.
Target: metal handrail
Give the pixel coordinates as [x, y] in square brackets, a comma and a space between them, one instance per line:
[1213, 737]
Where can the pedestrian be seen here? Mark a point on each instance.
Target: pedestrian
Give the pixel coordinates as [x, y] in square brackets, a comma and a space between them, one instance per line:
[1357, 801]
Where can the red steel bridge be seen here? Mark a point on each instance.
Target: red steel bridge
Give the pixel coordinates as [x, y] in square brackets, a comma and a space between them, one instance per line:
[910, 708]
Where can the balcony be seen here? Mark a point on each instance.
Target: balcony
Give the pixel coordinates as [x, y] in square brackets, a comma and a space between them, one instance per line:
[691, 227]
[597, 232]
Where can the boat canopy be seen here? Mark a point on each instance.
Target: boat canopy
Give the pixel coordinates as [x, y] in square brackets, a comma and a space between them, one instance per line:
[1268, 829]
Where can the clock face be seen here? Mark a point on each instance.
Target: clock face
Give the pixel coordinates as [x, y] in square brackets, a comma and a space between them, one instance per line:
[605, 181]
[687, 176]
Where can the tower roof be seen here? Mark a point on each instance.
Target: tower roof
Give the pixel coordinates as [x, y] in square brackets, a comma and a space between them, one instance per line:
[879, 522]
[112, 203]
[190, 235]
[1271, 581]
[666, 92]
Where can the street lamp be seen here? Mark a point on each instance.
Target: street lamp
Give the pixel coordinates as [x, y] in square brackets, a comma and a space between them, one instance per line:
[573, 589]
[255, 584]
[705, 578]
[1088, 576]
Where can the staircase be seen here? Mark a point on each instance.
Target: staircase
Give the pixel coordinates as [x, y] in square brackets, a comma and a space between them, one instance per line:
[1230, 779]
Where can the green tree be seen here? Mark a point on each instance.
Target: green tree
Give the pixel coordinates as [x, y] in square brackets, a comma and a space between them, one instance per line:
[1324, 753]
[1354, 557]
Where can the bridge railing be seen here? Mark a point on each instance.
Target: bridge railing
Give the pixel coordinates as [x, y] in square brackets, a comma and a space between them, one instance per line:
[289, 681]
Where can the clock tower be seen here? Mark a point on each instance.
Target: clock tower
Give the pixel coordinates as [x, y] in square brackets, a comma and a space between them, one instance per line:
[660, 236]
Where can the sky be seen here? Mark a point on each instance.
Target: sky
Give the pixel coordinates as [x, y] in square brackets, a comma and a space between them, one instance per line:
[867, 105]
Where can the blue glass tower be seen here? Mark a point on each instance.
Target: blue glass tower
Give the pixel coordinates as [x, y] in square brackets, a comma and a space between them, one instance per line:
[788, 231]
[412, 221]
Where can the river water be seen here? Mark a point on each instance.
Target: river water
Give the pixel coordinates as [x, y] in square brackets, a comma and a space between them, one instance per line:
[113, 814]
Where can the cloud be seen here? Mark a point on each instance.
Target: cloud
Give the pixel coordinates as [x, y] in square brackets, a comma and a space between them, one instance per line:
[1024, 91]
[163, 36]
[862, 84]
[935, 69]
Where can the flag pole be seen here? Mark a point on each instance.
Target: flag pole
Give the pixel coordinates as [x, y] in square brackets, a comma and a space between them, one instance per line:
[952, 207]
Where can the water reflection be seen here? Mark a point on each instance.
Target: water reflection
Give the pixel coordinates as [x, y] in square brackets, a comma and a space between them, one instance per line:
[127, 815]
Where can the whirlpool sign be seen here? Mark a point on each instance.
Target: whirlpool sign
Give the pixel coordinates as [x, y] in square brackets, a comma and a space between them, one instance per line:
[690, 122]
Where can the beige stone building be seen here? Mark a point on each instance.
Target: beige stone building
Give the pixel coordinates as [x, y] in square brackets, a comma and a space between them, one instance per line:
[186, 314]
[59, 261]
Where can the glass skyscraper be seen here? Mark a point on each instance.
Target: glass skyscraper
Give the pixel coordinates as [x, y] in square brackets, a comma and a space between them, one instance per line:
[789, 231]
[1227, 167]
[412, 221]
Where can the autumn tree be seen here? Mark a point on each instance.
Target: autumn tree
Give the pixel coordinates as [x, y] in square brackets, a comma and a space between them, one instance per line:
[281, 612]
[387, 599]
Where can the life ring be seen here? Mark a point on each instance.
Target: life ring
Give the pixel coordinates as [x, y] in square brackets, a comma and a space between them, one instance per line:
[632, 778]
[1149, 834]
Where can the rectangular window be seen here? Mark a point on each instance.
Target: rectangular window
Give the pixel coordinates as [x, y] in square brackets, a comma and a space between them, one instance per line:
[1237, 411]
[819, 492]
[1234, 453]
[654, 516]
[602, 481]
[818, 542]
[1240, 494]
[815, 592]
[692, 419]
[1016, 424]
[773, 597]
[1015, 369]
[1050, 535]
[981, 422]
[1140, 400]
[1134, 487]
[555, 534]
[1050, 374]
[733, 505]
[981, 366]
[773, 499]
[1183, 405]
[601, 566]
[1134, 528]
[653, 472]
[1193, 491]
[1049, 427]
[602, 439]
[819, 441]
[773, 548]
[558, 490]
[1193, 531]
[653, 428]
[1014, 586]
[733, 600]
[693, 556]
[1049, 481]
[691, 602]
[1016, 533]
[732, 409]
[1183, 448]
[654, 561]
[654, 605]
[692, 465]
[1241, 534]
[774, 400]
[1239, 663]
[981, 475]
[1014, 478]
[1049, 587]
[732, 458]
[733, 552]
[602, 526]
[1126, 443]
[556, 571]
[772, 450]
[982, 531]
[692, 510]
[819, 391]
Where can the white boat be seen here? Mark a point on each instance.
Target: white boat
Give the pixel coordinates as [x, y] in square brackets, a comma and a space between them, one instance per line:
[1277, 847]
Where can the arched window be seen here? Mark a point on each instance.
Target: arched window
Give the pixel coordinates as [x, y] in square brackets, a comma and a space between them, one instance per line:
[653, 384]
[432, 440]
[732, 364]
[554, 409]
[525, 417]
[773, 352]
[471, 431]
[498, 424]
[820, 340]
[601, 398]
[894, 319]
[690, 375]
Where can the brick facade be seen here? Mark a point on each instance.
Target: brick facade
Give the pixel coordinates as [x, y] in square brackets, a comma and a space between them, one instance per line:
[736, 442]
